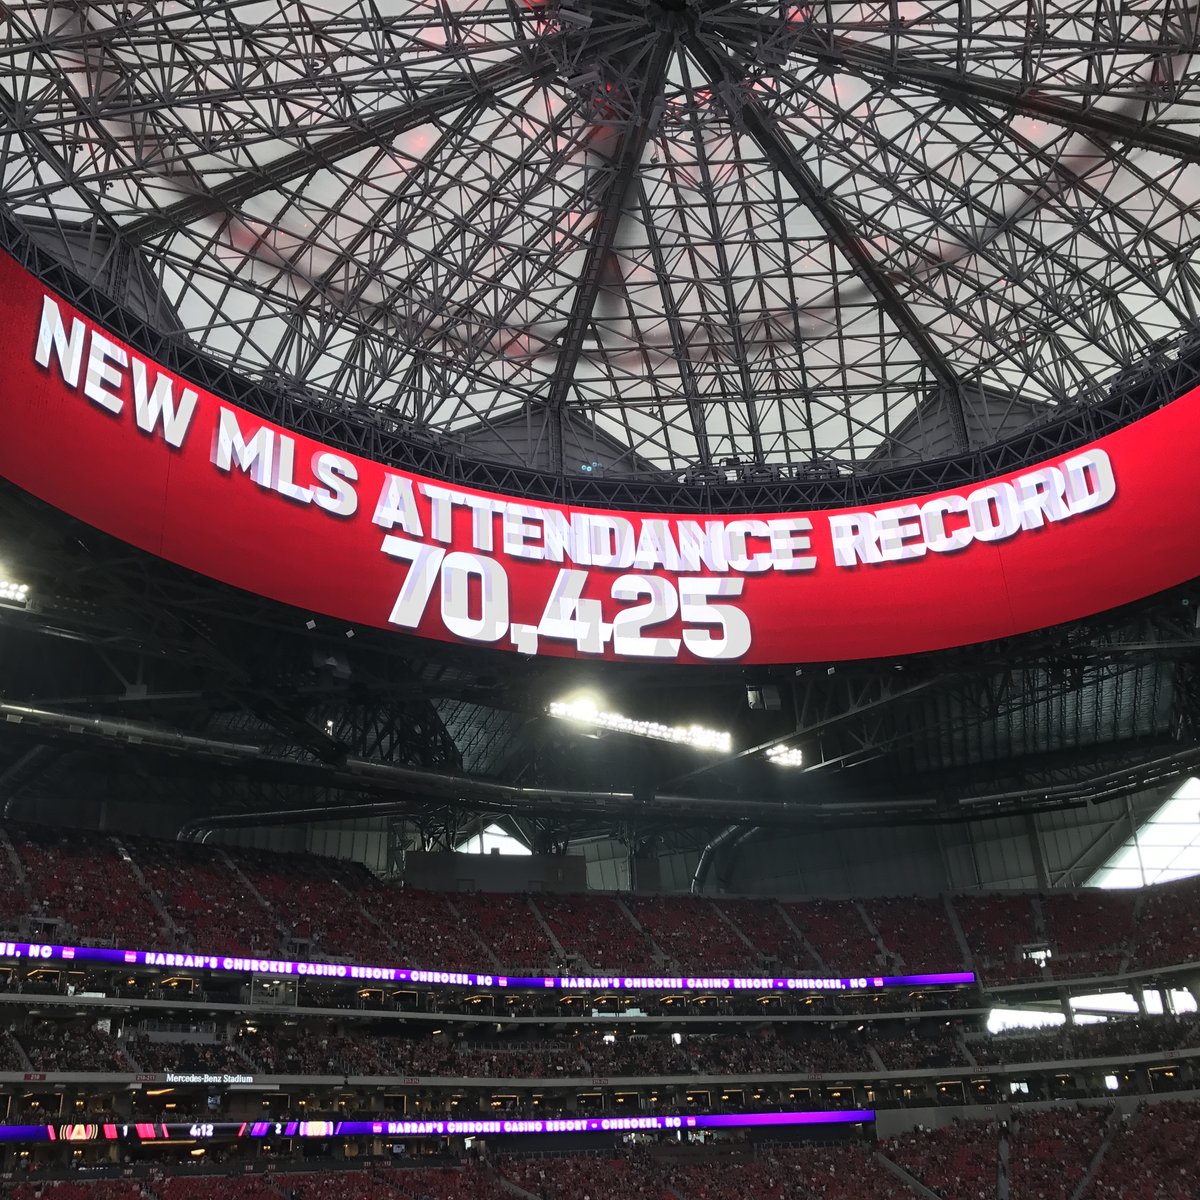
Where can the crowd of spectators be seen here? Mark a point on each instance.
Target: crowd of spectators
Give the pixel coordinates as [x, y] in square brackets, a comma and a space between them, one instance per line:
[917, 933]
[916, 1051]
[595, 929]
[763, 923]
[138, 892]
[802, 1050]
[810, 1173]
[424, 928]
[758, 1053]
[210, 1057]
[15, 901]
[313, 1052]
[209, 1187]
[997, 928]
[585, 1056]
[98, 1189]
[58, 1046]
[1154, 1157]
[847, 1172]
[63, 1046]
[1049, 1152]
[313, 901]
[777, 1174]
[766, 1053]
[86, 882]
[10, 1058]
[591, 1177]
[589, 1055]
[638, 1054]
[956, 1162]
[836, 931]
[1168, 925]
[507, 925]
[693, 935]
[211, 908]
[329, 1053]
[439, 1183]
[1091, 932]
[787, 1173]
[468, 1183]
[538, 1060]
[842, 1173]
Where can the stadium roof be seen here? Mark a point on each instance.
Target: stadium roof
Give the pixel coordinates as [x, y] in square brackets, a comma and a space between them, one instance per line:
[629, 237]
[651, 242]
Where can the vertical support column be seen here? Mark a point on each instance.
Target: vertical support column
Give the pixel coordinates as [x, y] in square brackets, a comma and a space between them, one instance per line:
[1064, 1000]
[1139, 995]
[1133, 834]
[1034, 835]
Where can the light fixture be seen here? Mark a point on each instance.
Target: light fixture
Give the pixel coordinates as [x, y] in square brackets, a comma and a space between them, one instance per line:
[584, 710]
[14, 593]
[785, 756]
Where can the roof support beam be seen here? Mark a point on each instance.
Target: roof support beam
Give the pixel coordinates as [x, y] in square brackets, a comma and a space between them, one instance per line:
[679, 341]
[725, 76]
[626, 160]
[1102, 125]
[13, 113]
[232, 194]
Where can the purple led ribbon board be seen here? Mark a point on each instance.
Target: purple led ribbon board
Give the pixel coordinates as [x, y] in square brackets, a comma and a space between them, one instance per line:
[232, 1130]
[232, 964]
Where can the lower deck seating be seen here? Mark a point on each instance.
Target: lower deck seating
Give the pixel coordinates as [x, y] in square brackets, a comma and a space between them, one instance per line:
[957, 1162]
[1154, 1157]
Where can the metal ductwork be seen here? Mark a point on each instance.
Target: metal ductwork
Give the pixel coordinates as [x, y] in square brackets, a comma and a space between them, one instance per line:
[200, 829]
[729, 838]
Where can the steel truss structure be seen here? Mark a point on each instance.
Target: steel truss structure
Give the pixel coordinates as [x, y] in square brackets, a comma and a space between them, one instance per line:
[665, 253]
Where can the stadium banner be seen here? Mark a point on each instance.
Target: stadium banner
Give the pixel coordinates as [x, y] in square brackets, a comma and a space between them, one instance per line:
[146, 1131]
[280, 967]
[96, 429]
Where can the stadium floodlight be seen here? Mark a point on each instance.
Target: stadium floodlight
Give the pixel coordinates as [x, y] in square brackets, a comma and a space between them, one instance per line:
[584, 710]
[14, 593]
[785, 756]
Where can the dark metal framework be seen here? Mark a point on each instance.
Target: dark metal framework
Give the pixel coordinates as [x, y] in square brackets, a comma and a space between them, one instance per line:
[1171, 370]
[655, 253]
[200, 700]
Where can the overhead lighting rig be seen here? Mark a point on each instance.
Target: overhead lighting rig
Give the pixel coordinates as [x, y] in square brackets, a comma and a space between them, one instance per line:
[584, 710]
[785, 756]
[14, 593]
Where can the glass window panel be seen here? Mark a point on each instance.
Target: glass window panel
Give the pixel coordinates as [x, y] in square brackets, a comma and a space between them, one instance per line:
[1113, 1002]
[1000, 1019]
[1167, 845]
[1155, 857]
